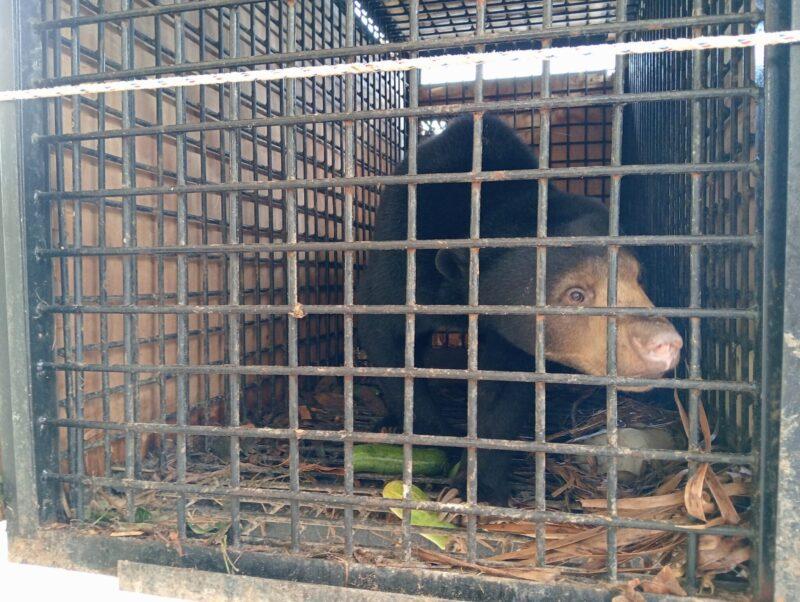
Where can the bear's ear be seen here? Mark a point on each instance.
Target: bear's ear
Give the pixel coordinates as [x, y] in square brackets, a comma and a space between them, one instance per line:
[453, 264]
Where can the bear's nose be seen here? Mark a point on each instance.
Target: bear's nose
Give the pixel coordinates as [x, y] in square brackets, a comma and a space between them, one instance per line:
[661, 349]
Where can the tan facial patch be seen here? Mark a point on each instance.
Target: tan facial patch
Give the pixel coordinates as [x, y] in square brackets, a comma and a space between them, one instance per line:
[580, 342]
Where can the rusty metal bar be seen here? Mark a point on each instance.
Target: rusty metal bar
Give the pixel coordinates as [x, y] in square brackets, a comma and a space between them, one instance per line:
[349, 153]
[540, 389]
[447, 243]
[247, 432]
[552, 33]
[411, 288]
[129, 277]
[433, 178]
[440, 110]
[294, 371]
[473, 293]
[376, 503]
[620, 71]
[290, 169]
[234, 208]
[695, 275]
[348, 310]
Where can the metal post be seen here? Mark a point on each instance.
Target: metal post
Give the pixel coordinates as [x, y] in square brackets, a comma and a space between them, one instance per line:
[786, 520]
[25, 395]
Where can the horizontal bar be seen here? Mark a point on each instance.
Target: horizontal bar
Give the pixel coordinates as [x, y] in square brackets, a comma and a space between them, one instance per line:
[379, 503]
[435, 310]
[415, 439]
[363, 371]
[444, 61]
[432, 43]
[432, 178]
[402, 245]
[424, 111]
[136, 13]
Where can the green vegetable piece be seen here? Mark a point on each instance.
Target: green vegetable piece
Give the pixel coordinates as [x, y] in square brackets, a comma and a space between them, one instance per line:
[211, 529]
[142, 515]
[388, 459]
[453, 473]
[393, 490]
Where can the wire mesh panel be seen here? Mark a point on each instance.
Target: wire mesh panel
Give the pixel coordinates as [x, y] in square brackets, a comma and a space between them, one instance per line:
[225, 362]
[181, 139]
[578, 137]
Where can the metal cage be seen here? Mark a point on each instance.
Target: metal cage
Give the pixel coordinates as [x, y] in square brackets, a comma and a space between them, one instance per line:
[179, 272]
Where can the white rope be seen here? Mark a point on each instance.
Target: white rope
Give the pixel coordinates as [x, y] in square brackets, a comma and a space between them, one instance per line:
[449, 60]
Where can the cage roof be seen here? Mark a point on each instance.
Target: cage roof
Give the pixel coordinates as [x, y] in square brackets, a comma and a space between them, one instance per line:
[444, 18]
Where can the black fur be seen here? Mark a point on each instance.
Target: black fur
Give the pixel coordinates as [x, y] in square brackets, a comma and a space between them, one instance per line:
[508, 209]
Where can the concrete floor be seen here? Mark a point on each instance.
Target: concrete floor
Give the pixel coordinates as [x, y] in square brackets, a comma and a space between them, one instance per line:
[26, 582]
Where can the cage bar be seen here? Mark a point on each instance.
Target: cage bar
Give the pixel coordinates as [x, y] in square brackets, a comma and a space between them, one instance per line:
[199, 287]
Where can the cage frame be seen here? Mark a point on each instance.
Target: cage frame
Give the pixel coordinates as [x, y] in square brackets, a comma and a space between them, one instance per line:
[27, 384]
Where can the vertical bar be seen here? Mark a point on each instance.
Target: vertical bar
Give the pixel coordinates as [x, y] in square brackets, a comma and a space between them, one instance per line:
[290, 167]
[63, 264]
[308, 165]
[223, 176]
[349, 172]
[101, 242]
[77, 272]
[254, 112]
[695, 275]
[129, 263]
[611, 325]
[182, 320]
[25, 337]
[234, 294]
[540, 389]
[206, 320]
[274, 322]
[776, 544]
[473, 289]
[161, 319]
[411, 283]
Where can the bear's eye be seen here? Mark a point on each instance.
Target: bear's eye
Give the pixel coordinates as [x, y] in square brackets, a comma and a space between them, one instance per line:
[576, 295]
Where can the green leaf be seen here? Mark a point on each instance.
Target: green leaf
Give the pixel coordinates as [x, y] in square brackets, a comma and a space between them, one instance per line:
[211, 529]
[393, 490]
[142, 515]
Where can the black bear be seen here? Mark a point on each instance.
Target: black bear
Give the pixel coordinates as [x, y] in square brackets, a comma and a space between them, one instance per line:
[575, 276]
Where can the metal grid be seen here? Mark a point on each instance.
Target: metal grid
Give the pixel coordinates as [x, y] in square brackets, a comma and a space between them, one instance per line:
[256, 245]
[184, 139]
[729, 202]
[579, 136]
[437, 18]
[704, 130]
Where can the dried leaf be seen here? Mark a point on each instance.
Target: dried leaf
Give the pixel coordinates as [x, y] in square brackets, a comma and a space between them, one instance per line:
[671, 484]
[629, 594]
[330, 400]
[658, 502]
[681, 412]
[311, 467]
[718, 554]
[126, 533]
[636, 503]
[519, 528]
[724, 503]
[704, 426]
[693, 493]
[665, 582]
[544, 575]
